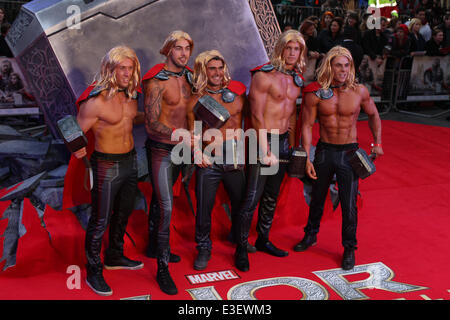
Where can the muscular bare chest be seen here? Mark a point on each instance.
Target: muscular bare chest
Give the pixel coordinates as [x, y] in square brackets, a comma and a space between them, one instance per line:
[282, 96]
[343, 104]
[119, 110]
[177, 92]
[283, 88]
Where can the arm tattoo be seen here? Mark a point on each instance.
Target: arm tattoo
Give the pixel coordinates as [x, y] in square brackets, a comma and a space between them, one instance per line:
[152, 109]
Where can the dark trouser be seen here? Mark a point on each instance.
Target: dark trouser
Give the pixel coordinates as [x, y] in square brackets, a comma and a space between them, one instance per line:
[207, 182]
[163, 174]
[263, 189]
[333, 159]
[113, 196]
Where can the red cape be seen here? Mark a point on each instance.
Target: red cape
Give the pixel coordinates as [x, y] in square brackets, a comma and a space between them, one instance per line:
[153, 71]
[258, 68]
[156, 69]
[237, 87]
[312, 87]
[74, 193]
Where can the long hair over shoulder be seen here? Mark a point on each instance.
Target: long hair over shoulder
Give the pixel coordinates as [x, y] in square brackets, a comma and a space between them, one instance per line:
[325, 72]
[277, 55]
[106, 79]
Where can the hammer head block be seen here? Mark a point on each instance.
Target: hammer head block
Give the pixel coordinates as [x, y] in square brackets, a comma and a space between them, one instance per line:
[297, 163]
[211, 112]
[362, 164]
[71, 133]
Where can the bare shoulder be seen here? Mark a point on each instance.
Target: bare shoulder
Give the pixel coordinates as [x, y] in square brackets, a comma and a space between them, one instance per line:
[241, 99]
[152, 84]
[362, 91]
[311, 99]
[239, 102]
[94, 105]
[262, 79]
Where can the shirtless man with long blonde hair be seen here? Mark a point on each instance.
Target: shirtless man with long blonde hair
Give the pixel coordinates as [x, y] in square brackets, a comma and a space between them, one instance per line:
[274, 90]
[109, 109]
[336, 100]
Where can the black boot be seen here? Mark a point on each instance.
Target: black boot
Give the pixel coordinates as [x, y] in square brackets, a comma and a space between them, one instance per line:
[241, 234]
[151, 253]
[122, 262]
[203, 256]
[114, 257]
[268, 247]
[231, 237]
[266, 212]
[241, 259]
[165, 281]
[234, 240]
[348, 259]
[250, 248]
[96, 281]
[307, 241]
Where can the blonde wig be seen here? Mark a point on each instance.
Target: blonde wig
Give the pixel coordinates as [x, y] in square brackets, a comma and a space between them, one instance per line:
[107, 77]
[200, 75]
[277, 59]
[173, 37]
[325, 72]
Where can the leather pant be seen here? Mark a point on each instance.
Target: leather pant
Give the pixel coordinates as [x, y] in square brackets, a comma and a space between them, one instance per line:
[330, 159]
[113, 197]
[265, 190]
[207, 182]
[163, 175]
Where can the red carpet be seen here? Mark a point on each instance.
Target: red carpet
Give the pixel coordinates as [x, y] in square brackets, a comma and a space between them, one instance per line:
[403, 240]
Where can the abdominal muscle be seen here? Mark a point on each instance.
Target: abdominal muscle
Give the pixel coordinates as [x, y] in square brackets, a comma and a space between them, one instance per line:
[337, 130]
[114, 139]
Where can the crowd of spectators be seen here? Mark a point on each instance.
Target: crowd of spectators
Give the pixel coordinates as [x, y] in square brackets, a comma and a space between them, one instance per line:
[416, 27]
[410, 28]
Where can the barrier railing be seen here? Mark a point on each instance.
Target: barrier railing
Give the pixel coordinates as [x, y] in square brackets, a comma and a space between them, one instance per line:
[423, 79]
[397, 82]
[402, 79]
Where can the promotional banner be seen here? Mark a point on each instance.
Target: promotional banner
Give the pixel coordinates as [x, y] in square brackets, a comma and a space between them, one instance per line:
[14, 89]
[430, 76]
[372, 74]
